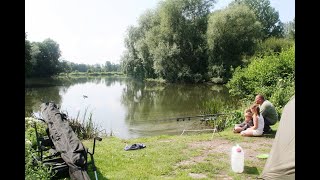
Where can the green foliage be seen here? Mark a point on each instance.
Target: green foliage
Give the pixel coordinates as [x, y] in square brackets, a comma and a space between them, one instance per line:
[284, 90]
[213, 106]
[289, 29]
[34, 170]
[216, 72]
[273, 45]
[85, 129]
[30, 133]
[232, 33]
[89, 71]
[235, 117]
[228, 118]
[169, 42]
[266, 15]
[272, 75]
[27, 57]
[45, 58]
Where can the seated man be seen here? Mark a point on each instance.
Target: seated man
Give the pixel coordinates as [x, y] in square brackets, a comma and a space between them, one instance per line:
[248, 122]
[268, 112]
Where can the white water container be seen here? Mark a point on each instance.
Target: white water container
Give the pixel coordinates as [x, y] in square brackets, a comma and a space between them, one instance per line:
[237, 159]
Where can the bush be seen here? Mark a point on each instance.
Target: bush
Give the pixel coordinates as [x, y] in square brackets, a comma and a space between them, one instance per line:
[272, 76]
[273, 45]
[226, 119]
[34, 170]
[30, 133]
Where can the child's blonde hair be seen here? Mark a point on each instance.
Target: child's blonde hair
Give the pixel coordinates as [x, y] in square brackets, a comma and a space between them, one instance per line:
[248, 110]
[257, 107]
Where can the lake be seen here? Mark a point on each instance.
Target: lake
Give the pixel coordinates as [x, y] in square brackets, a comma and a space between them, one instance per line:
[123, 106]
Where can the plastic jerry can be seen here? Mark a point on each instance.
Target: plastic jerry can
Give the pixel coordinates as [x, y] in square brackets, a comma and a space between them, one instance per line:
[237, 159]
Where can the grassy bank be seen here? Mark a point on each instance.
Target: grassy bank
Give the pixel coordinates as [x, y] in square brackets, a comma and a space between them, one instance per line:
[205, 156]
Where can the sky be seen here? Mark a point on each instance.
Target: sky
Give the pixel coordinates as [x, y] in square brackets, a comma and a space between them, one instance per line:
[93, 31]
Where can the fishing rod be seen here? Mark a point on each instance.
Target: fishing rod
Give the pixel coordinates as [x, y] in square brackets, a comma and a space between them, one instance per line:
[204, 117]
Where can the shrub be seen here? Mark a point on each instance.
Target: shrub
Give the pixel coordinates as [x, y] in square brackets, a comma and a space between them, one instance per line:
[272, 75]
[34, 170]
[273, 45]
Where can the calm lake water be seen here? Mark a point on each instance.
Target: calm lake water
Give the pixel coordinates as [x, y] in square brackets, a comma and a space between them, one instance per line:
[123, 106]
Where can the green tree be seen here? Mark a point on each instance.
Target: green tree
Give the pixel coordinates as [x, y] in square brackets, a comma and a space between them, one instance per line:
[133, 65]
[289, 29]
[178, 42]
[232, 33]
[45, 58]
[97, 68]
[146, 22]
[65, 66]
[108, 66]
[27, 57]
[267, 16]
[169, 42]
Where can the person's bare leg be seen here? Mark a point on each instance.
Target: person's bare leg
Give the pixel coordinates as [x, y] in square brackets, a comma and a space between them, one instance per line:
[247, 133]
[237, 129]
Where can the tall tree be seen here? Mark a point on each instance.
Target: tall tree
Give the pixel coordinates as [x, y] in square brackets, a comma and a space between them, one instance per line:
[169, 42]
[45, 58]
[179, 51]
[267, 15]
[232, 32]
[133, 65]
[108, 66]
[289, 29]
[146, 22]
[27, 57]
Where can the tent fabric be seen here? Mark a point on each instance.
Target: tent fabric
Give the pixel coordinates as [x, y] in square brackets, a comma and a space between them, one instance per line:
[281, 162]
[65, 141]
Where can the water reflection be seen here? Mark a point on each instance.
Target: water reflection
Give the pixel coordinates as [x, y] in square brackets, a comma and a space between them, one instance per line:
[126, 107]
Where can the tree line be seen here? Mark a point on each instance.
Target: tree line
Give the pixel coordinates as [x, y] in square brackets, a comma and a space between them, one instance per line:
[42, 59]
[185, 41]
[182, 41]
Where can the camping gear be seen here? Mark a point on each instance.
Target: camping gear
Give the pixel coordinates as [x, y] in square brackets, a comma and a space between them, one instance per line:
[237, 159]
[281, 161]
[68, 156]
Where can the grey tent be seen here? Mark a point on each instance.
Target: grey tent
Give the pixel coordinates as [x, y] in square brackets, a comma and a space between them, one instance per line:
[65, 141]
[281, 161]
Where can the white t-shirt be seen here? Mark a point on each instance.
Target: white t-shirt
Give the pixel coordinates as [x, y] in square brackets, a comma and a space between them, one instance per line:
[260, 123]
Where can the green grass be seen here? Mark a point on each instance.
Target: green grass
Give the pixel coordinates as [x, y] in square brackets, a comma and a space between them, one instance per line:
[174, 157]
[188, 156]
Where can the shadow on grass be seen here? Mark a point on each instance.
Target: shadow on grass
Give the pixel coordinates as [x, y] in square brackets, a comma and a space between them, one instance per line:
[272, 134]
[251, 170]
[99, 174]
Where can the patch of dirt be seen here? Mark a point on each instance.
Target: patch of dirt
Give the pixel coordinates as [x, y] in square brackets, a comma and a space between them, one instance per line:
[257, 145]
[197, 176]
[251, 149]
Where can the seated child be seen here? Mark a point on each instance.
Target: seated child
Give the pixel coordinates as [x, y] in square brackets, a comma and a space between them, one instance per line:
[248, 122]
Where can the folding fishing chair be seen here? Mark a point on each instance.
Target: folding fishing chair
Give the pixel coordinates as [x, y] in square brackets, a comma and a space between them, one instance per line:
[49, 156]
